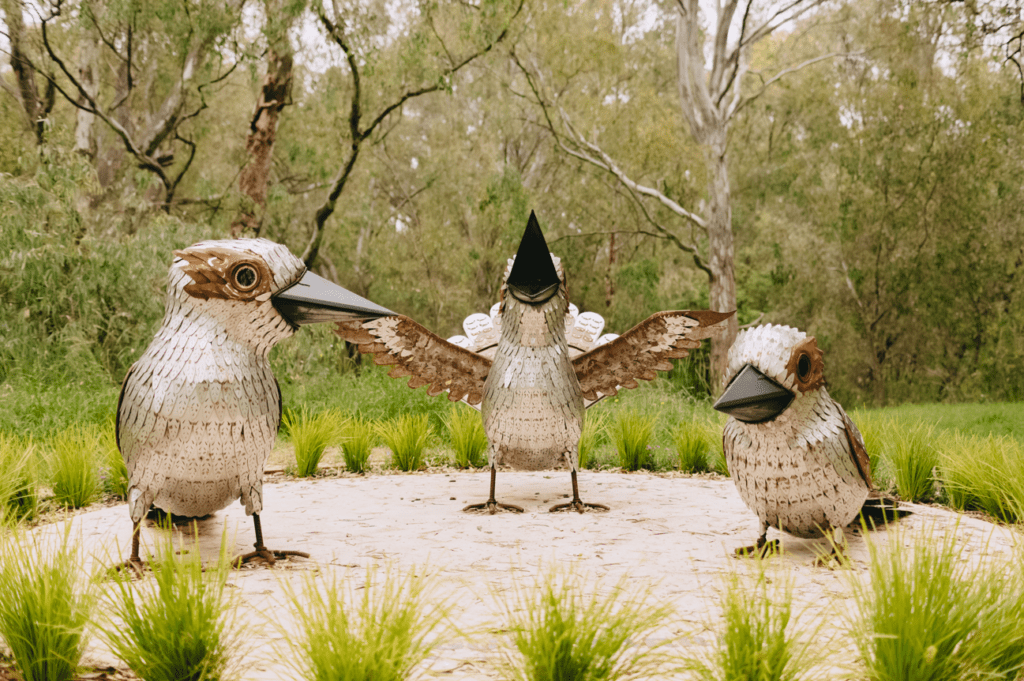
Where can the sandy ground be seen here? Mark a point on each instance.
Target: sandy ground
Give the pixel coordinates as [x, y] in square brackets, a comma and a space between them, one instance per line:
[676, 533]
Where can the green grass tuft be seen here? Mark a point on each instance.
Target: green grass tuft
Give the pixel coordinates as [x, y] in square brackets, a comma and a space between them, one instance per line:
[879, 433]
[177, 626]
[631, 432]
[115, 474]
[310, 435]
[928, 613]
[376, 633]
[18, 480]
[74, 463]
[985, 474]
[595, 431]
[469, 442]
[561, 634]
[406, 437]
[757, 640]
[45, 606]
[693, 442]
[912, 458]
[357, 438]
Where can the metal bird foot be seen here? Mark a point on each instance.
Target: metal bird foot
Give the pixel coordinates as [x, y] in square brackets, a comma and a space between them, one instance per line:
[136, 565]
[266, 555]
[578, 506]
[492, 507]
[761, 549]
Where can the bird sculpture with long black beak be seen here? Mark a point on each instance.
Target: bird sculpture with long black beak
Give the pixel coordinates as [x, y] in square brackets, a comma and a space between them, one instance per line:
[797, 459]
[199, 412]
[532, 394]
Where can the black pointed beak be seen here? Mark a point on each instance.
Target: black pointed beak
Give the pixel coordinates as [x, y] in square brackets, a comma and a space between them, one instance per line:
[752, 397]
[533, 278]
[313, 299]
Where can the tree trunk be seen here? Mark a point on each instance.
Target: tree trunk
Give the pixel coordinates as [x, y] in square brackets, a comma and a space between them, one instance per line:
[721, 252]
[254, 178]
[23, 71]
[85, 122]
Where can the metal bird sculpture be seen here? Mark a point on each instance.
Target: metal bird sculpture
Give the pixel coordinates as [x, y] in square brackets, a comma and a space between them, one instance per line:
[797, 459]
[532, 393]
[199, 412]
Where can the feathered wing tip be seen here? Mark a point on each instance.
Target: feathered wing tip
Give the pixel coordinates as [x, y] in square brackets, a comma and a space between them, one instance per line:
[880, 511]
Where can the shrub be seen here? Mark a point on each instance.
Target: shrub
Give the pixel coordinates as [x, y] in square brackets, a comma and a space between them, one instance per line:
[466, 428]
[559, 634]
[74, 466]
[595, 431]
[114, 478]
[985, 474]
[757, 639]
[45, 606]
[406, 437]
[631, 434]
[310, 436]
[693, 445]
[378, 633]
[927, 613]
[177, 626]
[18, 495]
[356, 442]
[912, 459]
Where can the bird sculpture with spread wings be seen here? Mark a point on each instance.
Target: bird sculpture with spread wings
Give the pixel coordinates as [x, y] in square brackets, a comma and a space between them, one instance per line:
[531, 391]
[198, 413]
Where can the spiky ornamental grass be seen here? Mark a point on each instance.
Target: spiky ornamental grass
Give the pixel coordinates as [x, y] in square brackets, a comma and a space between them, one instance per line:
[74, 466]
[469, 442]
[595, 432]
[406, 437]
[693, 445]
[178, 625]
[758, 639]
[310, 435]
[45, 605]
[925, 612]
[985, 474]
[912, 458]
[560, 633]
[115, 474]
[357, 439]
[377, 633]
[879, 433]
[631, 432]
[18, 480]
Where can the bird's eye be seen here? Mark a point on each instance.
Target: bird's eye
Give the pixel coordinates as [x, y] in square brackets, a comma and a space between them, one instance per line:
[246, 277]
[803, 367]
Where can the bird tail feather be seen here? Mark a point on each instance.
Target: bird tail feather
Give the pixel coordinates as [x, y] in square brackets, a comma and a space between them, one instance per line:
[879, 511]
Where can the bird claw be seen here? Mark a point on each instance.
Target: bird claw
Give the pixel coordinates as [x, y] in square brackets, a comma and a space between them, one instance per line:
[492, 507]
[759, 550]
[578, 506]
[266, 555]
[136, 565]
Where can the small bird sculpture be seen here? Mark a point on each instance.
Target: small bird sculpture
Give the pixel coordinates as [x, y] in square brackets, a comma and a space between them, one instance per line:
[797, 459]
[532, 393]
[199, 412]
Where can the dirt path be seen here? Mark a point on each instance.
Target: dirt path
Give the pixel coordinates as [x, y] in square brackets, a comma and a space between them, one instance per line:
[673, 531]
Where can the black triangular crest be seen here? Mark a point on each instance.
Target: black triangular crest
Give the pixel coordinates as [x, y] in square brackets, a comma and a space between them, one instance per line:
[533, 271]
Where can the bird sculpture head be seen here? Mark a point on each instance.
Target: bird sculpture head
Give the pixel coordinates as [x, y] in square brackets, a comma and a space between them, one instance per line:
[256, 291]
[534, 275]
[770, 367]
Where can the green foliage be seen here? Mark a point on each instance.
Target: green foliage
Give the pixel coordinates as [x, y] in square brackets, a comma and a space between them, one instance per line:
[46, 605]
[379, 632]
[758, 639]
[984, 474]
[357, 438]
[18, 479]
[406, 437]
[310, 435]
[466, 432]
[631, 432]
[562, 634]
[694, 443]
[879, 432]
[115, 472]
[179, 625]
[912, 458]
[595, 431]
[74, 465]
[925, 612]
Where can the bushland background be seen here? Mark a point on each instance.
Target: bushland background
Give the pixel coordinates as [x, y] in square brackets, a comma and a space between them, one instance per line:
[863, 160]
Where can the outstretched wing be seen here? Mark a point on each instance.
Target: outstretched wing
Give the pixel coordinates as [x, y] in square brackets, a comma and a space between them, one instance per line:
[416, 352]
[643, 350]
